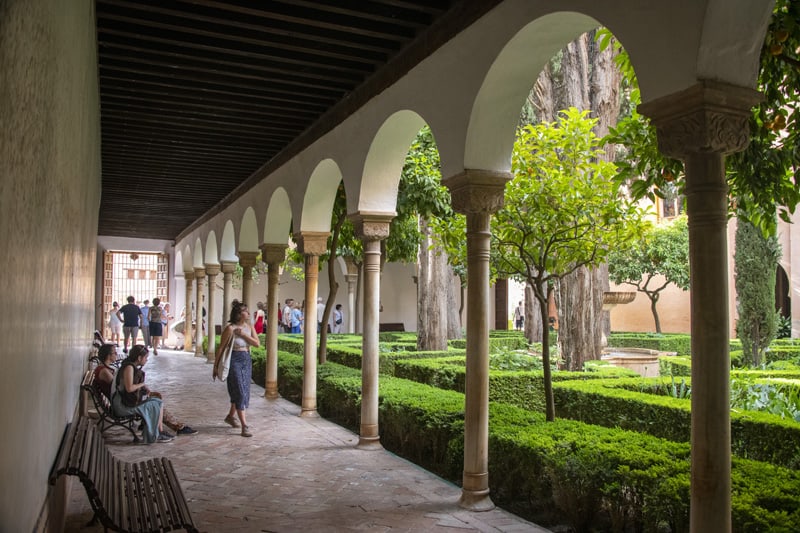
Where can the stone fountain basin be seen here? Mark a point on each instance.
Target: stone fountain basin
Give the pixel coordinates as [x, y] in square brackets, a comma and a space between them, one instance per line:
[641, 360]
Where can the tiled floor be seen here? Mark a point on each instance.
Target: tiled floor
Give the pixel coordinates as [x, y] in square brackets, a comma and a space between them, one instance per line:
[294, 475]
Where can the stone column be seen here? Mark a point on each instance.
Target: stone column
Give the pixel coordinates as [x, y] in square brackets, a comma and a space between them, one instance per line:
[273, 255]
[371, 228]
[187, 313]
[352, 285]
[700, 125]
[311, 244]
[477, 194]
[228, 268]
[248, 260]
[211, 272]
[200, 277]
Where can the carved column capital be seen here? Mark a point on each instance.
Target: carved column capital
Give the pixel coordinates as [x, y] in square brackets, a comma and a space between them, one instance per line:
[352, 268]
[273, 254]
[199, 273]
[372, 226]
[477, 191]
[247, 259]
[212, 269]
[709, 117]
[188, 276]
[312, 242]
[228, 267]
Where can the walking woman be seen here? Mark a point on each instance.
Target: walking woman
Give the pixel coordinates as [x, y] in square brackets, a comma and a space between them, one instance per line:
[241, 367]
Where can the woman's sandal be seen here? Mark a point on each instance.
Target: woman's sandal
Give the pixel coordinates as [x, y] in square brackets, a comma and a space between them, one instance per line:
[246, 431]
[231, 421]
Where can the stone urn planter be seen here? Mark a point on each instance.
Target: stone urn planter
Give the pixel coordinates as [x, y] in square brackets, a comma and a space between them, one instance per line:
[614, 298]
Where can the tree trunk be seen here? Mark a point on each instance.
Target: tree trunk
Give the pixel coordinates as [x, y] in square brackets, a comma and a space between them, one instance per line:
[549, 401]
[533, 319]
[432, 334]
[653, 302]
[605, 79]
[454, 328]
[583, 326]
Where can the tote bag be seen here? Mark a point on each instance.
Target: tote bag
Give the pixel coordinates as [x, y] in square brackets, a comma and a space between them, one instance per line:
[223, 363]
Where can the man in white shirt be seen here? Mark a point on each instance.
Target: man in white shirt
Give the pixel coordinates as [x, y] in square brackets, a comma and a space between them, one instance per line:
[286, 315]
[320, 312]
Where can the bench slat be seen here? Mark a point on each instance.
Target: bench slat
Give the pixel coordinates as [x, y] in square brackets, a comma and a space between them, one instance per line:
[130, 497]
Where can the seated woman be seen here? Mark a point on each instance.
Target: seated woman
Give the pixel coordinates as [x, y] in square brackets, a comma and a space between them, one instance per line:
[104, 377]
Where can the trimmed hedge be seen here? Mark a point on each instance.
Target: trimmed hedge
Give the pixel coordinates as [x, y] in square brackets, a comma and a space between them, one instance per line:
[675, 365]
[621, 403]
[663, 342]
[523, 389]
[565, 471]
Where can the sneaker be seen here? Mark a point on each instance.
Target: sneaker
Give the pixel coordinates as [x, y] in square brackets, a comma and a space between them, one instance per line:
[231, 421]
[246, 431]
[186, 430]
[164, 437]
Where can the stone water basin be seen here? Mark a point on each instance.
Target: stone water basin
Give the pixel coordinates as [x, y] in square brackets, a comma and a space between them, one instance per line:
[641, 360]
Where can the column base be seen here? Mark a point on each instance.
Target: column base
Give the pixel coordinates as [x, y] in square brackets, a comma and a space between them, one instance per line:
[309, 413]
[210, 358]
[476, 500]
[271, 392]
[369, 443]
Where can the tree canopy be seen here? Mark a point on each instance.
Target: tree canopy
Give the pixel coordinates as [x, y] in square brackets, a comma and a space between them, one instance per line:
[763, 178]
[663, 250]
[561, 212]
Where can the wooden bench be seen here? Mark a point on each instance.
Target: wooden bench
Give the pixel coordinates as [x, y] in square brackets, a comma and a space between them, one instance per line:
[106, 417]
[129, 497]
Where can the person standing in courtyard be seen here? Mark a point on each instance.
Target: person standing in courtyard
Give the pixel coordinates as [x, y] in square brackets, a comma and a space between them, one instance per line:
[156, 328]
[519, 316]
[320, 312]
[337, 319]
[145, 324]
[114, 323]
[166, 316]
[241, 365]
[260, 315]
[129, 314]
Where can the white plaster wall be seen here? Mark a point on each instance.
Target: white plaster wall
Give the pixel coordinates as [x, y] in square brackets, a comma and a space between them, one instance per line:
[49, 200]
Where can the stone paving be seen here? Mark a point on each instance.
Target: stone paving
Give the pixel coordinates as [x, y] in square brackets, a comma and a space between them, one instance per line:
[294, 474]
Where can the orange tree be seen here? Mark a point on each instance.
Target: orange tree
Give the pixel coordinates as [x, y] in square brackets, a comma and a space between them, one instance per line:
[562, 211]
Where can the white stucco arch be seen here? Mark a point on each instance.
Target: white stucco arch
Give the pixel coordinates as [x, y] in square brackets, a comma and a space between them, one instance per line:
[493, 122]
[248, 232]
[384, 162]
[227, 249]
[197, 259]
[211, 256]
[278, 219]
[178, 268]
[187, 258]
[319, 197]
